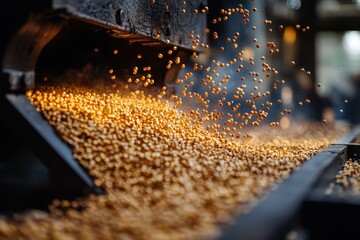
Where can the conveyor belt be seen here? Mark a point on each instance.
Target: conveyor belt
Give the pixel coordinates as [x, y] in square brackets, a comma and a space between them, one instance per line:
[299, 204]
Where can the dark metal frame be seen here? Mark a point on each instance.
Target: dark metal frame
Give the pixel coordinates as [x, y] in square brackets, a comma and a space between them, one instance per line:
[46, 38]
[68, 177]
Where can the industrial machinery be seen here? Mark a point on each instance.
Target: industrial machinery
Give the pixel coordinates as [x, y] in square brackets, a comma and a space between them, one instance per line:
[299, 208]
[44, 39]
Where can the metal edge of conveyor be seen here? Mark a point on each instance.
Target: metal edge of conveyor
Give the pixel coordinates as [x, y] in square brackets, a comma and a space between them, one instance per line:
[272, 218]
[328, 207]
[70, 178]
[350, 137]
[276, 214]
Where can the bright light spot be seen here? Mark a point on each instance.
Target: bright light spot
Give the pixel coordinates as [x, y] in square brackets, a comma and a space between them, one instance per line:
[351, 42]
[284, 123]
[248, 52]
[289, 35]
[286, 95]
[329, 115]
[293, 4]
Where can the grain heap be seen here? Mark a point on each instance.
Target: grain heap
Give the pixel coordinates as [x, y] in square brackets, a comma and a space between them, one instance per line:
[165, 177]
[349, 177]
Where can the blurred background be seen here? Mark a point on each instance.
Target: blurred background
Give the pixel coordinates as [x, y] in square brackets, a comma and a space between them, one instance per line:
[319, 57]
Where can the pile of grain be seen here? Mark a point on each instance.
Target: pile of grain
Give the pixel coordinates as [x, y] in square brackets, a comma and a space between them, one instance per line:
[165, 177]
[349, 177]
